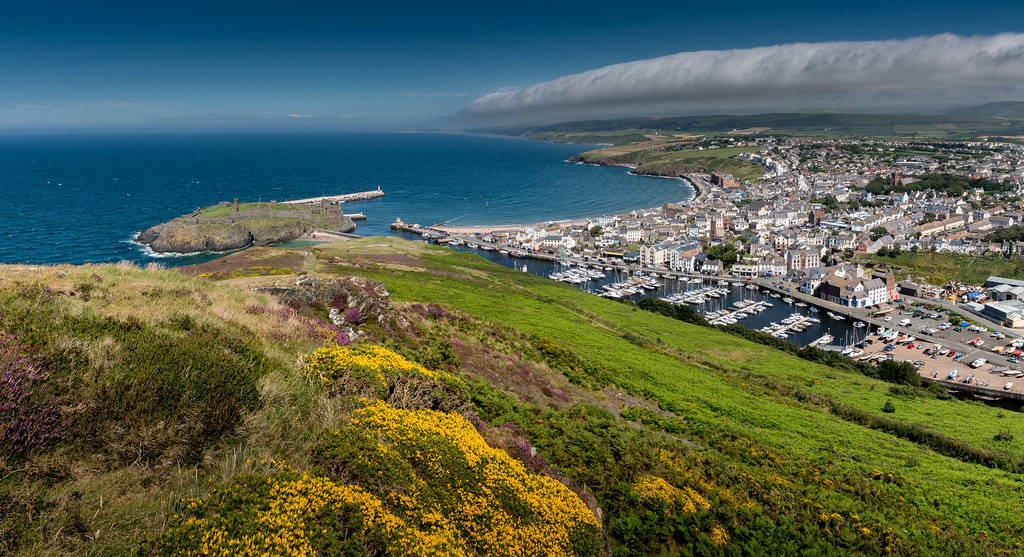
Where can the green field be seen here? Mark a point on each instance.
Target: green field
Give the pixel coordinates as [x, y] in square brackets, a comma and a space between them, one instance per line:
[675, 162]
[783, 456]
[220, 211]
[941, 268]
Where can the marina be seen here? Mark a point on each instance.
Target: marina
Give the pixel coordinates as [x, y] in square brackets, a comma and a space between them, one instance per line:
[721, 300]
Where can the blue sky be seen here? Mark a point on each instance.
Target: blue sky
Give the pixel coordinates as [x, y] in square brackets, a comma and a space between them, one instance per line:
[384, 65]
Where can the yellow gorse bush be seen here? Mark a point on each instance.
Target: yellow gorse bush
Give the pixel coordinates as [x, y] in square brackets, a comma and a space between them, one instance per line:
[364, 361]
[652, 489]
[470, 493]
[464, 498]
[277, 516]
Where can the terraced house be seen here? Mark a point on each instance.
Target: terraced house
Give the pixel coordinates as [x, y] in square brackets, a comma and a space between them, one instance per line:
[849, 286]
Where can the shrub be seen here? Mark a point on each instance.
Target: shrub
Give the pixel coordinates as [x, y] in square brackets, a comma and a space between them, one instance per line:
[352, 369]
[1003, 435]
[434, 468]
[889, 407]
[29, 416]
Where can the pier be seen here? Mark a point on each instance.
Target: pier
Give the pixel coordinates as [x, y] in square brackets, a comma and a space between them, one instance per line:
[745, 310]
[342, 198]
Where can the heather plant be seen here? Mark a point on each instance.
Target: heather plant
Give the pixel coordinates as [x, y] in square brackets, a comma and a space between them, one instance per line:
[172, 389]
[295, 325]
[29, 415]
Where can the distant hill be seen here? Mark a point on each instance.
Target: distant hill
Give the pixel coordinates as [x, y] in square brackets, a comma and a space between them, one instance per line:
[1003, 109]
[802, 123]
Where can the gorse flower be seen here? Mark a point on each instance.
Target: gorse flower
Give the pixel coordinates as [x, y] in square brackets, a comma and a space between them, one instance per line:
[367, 362]
[429, 485]
[656, 490]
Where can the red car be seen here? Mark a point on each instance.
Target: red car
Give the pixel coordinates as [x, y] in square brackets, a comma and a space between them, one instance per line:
[911, 346]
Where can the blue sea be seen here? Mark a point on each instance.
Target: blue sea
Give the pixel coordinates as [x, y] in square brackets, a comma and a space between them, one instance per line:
[83, 198]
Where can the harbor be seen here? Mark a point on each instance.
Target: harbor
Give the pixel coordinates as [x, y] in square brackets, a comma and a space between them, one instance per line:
[714, 297]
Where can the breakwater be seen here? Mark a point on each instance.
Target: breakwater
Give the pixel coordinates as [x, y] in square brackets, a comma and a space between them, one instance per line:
[340, 198]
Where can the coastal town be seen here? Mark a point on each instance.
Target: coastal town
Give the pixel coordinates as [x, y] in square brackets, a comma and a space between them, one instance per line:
[821, 207]
[812, 229]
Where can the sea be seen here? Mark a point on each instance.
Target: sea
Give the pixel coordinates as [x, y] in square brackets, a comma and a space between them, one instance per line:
[84, 197]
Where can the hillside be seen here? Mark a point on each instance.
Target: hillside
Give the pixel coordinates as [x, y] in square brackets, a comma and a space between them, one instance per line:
[665, 157]
[1003, 109]
[456, 407]
[970, 123]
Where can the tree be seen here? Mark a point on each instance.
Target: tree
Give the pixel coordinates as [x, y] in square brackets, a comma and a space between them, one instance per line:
[726, 253]
[596, 231]
[889, 407]
[877, 232]
[903, 373]
[928, 217]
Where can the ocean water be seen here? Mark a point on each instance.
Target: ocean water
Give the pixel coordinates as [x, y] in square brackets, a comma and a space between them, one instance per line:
[83, 198]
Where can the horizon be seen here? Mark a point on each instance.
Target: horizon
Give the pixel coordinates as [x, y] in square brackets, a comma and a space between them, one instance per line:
[123, 67]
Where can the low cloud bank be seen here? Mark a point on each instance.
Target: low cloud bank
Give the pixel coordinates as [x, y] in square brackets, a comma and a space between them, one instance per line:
[917, 73]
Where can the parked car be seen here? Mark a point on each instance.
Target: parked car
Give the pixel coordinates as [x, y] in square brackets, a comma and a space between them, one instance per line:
[1012, 360]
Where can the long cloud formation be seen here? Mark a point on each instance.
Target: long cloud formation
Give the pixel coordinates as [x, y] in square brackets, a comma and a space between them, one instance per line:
[918, 72]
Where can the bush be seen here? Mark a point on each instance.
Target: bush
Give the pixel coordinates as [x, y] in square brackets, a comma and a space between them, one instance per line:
[165, 392]
[29, 415]
[1003, 435]
[889, 407]
[435, 468]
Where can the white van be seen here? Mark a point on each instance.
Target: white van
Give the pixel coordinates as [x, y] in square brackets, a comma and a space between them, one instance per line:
[905, 323]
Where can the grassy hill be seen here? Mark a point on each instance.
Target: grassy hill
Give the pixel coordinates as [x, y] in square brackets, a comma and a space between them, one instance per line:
[654, 158]
[458, 407]
[996, 119]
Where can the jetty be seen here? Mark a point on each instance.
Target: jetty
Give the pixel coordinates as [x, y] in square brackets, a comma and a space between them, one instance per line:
[342, 198]
[743, 309]
[795, 323]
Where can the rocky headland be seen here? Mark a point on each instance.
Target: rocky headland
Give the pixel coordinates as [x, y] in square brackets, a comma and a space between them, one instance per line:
[229, 226]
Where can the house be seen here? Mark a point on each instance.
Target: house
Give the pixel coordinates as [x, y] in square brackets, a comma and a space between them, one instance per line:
[797, 260]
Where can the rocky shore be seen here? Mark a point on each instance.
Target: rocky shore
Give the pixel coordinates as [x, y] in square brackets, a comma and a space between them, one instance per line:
[181, 236]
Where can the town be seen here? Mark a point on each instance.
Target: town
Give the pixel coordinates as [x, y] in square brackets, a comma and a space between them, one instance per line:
[821, 208]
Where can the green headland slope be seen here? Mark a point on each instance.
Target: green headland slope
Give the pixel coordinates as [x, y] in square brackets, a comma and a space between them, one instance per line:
[453, 406]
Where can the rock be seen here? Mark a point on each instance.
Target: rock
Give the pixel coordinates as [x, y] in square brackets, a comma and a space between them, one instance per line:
[354, 300]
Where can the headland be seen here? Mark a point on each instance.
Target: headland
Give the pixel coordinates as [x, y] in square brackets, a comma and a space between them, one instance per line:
[229, 226]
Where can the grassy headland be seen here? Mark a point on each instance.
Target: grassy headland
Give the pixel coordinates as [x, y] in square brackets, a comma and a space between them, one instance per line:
[175, 400]
[671, 157]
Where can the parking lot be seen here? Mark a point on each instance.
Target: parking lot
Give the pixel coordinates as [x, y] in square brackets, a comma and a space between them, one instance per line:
[938, 364]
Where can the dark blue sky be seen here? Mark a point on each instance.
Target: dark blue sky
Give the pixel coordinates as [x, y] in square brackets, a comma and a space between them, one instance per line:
[377, 65]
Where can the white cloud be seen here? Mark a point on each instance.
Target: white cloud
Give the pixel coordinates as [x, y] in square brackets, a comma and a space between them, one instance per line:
[300, 115]
[925, 71]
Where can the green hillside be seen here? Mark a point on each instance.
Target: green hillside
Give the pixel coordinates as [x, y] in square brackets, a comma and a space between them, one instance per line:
[479, 410]
[972, 122]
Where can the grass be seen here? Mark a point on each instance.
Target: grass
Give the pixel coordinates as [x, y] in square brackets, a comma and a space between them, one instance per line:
[221, 211]
[753, 430]
[941, 268]
[709, 379]
[674, 161]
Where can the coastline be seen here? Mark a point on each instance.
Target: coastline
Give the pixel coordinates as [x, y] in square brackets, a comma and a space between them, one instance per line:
[695, 183]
